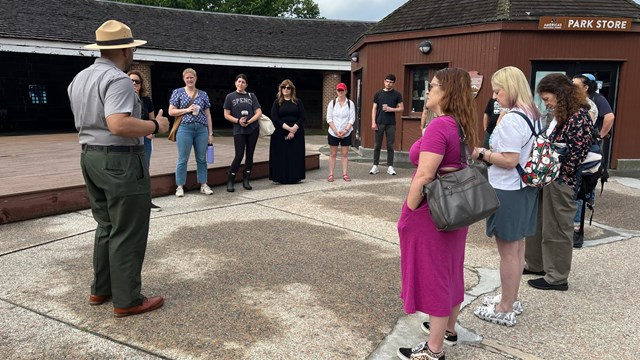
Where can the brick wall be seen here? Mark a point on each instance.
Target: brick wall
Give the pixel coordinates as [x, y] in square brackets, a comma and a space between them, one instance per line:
[329, 82]
[145, 70]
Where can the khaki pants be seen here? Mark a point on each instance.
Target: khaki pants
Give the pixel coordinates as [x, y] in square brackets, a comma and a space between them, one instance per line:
[551, 249]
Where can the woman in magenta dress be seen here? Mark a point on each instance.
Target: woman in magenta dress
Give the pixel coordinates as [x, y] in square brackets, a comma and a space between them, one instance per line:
[432, 261]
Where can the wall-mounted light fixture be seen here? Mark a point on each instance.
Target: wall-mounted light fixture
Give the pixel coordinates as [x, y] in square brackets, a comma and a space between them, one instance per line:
[425, 47]
[354, 57]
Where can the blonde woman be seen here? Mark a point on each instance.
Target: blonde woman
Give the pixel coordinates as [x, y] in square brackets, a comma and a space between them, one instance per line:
[510, 144]
[196, 130]
[287, 150]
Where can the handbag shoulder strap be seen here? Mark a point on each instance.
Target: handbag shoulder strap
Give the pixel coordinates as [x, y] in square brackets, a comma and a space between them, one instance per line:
[465, 156]
[192, 99]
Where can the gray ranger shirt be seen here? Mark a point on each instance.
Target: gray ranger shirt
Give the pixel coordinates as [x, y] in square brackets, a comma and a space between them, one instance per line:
[96, 92]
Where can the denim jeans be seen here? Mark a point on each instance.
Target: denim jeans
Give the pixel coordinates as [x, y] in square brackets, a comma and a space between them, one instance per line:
[148, 147]
[190, 135]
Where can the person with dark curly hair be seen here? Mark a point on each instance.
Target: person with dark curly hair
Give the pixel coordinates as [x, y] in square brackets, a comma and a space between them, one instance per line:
[148, 113]
[549, 252]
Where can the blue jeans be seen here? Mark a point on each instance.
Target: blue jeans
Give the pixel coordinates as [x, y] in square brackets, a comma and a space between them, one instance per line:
[193, 135]
[148, 148]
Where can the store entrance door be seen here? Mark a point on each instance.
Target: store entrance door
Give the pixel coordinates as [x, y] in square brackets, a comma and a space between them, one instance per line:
[606, 74]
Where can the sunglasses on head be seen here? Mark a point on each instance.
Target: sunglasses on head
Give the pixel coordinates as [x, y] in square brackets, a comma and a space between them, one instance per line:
[286, 87]
[136, 81]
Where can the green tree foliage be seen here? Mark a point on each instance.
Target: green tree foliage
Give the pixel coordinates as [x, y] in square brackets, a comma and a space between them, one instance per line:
[307, 9]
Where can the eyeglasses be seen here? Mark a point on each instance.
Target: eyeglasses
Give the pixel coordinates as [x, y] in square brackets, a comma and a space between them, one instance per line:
[136, 81]
[431, 85]
[286, 87]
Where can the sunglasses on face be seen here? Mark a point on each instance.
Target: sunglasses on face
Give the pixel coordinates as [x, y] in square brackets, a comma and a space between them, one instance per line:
[286, 87]
[136, 81]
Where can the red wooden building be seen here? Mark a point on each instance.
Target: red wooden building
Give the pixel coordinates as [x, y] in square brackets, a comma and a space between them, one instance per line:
[538, 36]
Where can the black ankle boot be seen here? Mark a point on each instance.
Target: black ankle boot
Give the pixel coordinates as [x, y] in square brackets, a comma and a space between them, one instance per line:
[578, 239]
[230, 180]
[245, 180]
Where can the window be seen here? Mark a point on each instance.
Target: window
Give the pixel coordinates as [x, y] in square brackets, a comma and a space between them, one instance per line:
[420, 76]
[38, 94]
[419, 86]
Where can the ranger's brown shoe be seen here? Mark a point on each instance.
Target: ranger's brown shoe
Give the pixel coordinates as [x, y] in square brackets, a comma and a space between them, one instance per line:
[98, 299]
[148, 304]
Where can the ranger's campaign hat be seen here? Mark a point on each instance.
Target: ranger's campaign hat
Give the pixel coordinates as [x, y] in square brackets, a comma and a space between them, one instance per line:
[114, 35]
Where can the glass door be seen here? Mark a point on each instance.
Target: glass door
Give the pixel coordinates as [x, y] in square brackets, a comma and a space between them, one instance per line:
[606, 74]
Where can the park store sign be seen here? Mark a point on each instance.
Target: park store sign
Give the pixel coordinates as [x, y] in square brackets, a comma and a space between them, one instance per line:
[584, 23]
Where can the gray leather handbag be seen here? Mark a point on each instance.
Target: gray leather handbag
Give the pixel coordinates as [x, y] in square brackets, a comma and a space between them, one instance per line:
[461, 198]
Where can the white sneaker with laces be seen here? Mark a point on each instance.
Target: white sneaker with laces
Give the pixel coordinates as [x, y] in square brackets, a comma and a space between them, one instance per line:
[205, 189]
[488, 313]
[374, 170]
[179, 192]
[391, 171]
[495, 300]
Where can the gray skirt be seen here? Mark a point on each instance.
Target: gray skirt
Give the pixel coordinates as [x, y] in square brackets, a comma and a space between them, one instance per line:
[516, 216]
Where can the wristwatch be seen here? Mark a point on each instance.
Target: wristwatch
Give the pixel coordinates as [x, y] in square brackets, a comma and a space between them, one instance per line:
[481, 154]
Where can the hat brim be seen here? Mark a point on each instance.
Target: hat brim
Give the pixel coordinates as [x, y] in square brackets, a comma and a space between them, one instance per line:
[135, 43]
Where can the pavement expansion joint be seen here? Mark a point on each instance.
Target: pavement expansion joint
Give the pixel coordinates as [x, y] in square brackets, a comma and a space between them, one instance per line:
[505, 350]
[620, 235]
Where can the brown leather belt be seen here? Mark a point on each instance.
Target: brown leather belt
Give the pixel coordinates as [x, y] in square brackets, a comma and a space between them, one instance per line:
[113, 148]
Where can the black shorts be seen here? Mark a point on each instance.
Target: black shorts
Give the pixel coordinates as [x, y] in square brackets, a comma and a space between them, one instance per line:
[334, 141]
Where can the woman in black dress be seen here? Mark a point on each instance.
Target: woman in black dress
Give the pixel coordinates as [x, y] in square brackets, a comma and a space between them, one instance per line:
[287, 150]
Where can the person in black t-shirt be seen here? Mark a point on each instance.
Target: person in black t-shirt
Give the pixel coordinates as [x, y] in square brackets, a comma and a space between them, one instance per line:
[386, 103]
[492, 114]
[148, 113]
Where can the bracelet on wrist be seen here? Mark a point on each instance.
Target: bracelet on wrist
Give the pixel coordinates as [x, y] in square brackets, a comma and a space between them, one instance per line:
[155, 122]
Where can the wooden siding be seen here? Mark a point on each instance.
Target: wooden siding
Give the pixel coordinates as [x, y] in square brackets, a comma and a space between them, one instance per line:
[485, 49]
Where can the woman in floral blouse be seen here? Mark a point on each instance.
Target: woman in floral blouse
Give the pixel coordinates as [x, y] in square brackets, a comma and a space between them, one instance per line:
[549, 252]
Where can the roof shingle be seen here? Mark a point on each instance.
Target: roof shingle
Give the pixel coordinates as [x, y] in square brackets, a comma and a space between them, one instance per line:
[182, 30]
[417, 15]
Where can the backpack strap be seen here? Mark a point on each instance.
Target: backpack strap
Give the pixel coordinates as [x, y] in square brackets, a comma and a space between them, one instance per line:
[533, 134]
[526, 118]
[333, 103]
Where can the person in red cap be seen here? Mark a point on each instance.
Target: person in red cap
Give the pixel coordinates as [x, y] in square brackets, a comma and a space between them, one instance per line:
[341, 115]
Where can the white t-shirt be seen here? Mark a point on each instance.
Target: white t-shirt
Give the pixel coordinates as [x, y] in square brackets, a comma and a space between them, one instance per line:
[511, 135]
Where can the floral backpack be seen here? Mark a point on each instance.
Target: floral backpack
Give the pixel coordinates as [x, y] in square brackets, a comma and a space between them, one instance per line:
[544, 163]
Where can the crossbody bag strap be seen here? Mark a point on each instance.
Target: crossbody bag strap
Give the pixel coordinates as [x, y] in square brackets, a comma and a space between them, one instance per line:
[192, 99]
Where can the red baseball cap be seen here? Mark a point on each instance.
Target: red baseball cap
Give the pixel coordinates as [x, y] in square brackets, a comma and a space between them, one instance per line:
[341, 86]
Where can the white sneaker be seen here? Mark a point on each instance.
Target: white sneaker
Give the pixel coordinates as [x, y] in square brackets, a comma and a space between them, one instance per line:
[390, 170]
[205, 189]
[179, 192]
[495, 300]
[488, 313]
[374, 170]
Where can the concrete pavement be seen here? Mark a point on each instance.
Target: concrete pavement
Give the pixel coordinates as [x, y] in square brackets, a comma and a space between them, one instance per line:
[306, 271]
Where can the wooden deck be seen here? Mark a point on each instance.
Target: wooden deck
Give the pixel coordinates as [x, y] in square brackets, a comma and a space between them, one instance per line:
[40, 175]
